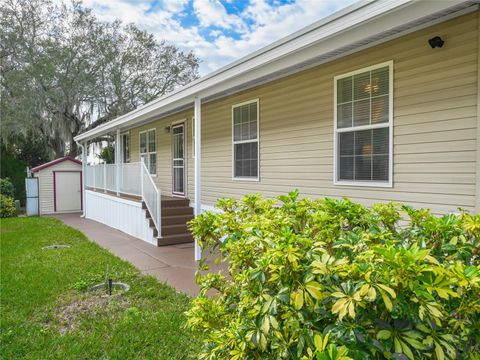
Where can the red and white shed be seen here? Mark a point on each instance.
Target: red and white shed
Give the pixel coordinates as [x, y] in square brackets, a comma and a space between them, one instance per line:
[59, 185]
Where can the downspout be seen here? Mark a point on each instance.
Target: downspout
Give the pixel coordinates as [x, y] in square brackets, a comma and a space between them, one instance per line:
[198, 167]
[84, 169]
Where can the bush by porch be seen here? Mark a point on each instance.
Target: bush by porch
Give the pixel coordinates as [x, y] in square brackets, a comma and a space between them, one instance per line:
[334, 280]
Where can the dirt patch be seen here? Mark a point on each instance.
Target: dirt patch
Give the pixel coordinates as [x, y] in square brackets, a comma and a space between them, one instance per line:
[90, 304]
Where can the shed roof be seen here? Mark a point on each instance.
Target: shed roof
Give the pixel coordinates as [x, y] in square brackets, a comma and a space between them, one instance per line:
[56, 161]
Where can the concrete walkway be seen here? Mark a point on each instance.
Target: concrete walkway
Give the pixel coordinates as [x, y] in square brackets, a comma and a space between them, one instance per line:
[174, 264]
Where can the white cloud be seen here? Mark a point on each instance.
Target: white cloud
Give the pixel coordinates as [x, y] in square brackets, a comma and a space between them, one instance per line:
[258, 25]
[174, 5]
[213, 13]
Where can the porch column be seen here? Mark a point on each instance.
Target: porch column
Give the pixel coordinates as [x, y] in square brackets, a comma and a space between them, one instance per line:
[118, 160]
[198, 172]
[84, 177]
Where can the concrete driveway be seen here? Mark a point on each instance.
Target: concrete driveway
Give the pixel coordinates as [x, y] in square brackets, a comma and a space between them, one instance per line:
[174, 264]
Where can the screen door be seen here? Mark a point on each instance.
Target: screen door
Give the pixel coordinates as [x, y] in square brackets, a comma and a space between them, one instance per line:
[178, 160]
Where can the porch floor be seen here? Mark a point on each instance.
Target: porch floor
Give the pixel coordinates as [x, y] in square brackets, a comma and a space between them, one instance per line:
[172, 264]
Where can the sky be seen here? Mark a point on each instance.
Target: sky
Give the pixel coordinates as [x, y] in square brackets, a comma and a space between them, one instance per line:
[217, 31]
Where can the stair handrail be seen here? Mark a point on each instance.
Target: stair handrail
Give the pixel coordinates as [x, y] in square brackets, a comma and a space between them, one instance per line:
[157, 219]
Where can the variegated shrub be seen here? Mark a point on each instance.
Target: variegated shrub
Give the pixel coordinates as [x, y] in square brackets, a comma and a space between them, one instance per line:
[332, 279]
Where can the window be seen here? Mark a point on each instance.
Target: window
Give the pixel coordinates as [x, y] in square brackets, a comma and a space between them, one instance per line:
[148, 150]
[363, 127]
[125, 148]
[245, 141]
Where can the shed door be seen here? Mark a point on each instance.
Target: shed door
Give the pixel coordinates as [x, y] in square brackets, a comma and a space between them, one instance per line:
[68, 195]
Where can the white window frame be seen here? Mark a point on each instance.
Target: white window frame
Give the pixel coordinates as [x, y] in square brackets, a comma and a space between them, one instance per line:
[122, 135]
[148, 152]
[388, 124]
[244, 178]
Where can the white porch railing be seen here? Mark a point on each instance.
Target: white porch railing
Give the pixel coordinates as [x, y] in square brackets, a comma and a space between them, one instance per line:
[152, 197]
[129, 179]
[129, 176]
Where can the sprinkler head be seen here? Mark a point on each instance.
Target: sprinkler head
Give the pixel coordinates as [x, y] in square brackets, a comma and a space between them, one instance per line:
[110, 284]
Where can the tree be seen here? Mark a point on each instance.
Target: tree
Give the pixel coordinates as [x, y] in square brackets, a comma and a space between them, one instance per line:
[64, 71]
[108, 154]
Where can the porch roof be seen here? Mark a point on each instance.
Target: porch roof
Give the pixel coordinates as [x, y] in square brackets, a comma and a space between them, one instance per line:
[359, 26]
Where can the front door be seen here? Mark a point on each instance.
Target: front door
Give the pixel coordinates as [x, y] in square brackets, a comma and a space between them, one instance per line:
[178, 160]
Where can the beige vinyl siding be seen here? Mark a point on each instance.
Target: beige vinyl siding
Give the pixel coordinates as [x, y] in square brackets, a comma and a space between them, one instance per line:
[163, 179]
[45, 184]
[434, 125]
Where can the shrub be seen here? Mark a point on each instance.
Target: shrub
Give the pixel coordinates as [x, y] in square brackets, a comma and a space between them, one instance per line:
[14, 169]
[6, 188]
[332, 279]
[7, 207]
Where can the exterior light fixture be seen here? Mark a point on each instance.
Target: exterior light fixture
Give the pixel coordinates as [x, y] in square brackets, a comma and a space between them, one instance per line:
[167, 130]
[436, 42]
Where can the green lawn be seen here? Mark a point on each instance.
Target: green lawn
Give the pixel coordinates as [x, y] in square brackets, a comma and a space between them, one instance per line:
[48, 313]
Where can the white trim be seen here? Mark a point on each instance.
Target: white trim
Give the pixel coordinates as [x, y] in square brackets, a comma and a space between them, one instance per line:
[148, 153]
[193, 137]
[389, 124]
[198, 168]
[257, 140]
[176, 122]
[352, 25]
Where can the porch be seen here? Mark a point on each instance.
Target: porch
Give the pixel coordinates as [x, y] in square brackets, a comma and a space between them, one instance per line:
[125, 196]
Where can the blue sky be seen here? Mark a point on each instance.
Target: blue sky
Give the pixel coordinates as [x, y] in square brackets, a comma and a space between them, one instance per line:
[218, 31]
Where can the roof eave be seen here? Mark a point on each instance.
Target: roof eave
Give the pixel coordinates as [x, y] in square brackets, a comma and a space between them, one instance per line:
[365, 17]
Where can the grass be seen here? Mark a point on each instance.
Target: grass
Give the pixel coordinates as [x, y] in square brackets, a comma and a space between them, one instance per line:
[48, 313]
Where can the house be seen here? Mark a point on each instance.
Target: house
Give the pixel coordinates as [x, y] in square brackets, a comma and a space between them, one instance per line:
[378, 102]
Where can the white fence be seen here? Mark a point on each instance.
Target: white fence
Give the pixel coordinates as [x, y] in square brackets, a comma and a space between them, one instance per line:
[130, 179]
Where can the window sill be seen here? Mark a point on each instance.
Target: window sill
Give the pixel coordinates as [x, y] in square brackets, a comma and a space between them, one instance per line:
[378, 184]
[256, 179]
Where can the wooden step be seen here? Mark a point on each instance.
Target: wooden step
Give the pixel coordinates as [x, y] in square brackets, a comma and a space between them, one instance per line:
[174, 211]
[174, 239]
[176, 219]
[174, 202]
[174, 229]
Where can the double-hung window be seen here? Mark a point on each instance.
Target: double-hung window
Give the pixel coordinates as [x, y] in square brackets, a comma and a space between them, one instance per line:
[148, 150]
[245, 140]
[363, 127]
